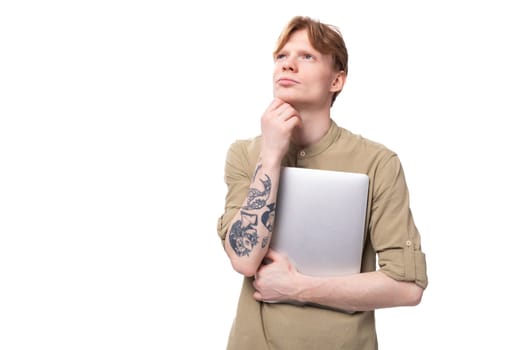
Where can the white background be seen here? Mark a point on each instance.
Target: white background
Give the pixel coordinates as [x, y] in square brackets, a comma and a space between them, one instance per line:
[115, 117]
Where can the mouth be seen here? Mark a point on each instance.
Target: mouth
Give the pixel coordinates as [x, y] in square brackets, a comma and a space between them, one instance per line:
[286, 81]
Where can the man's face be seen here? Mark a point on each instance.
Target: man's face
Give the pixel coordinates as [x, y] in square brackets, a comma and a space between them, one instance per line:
[302, 75]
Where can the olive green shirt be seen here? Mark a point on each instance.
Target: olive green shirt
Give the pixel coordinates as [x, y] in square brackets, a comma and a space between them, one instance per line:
[391, 236]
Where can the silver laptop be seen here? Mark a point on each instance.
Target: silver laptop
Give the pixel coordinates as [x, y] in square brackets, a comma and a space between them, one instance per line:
[320, 220]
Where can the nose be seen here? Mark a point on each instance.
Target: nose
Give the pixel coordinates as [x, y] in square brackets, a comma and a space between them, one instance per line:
[289, 65]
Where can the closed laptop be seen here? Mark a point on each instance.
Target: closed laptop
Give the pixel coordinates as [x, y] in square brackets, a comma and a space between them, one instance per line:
[320, 220]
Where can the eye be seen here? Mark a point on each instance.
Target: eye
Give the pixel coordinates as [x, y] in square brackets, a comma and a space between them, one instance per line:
[308, 57]
[280, 56]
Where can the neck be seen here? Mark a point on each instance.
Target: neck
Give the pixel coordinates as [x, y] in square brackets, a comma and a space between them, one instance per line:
[315, 125]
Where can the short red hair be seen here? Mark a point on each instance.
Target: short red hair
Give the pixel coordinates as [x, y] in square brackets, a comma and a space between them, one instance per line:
[325, 38]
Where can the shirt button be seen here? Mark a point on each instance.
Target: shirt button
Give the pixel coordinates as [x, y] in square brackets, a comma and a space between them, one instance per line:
[302, 153]
[408, 243]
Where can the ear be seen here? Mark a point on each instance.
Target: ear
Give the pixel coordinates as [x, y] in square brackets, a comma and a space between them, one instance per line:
[338, 82]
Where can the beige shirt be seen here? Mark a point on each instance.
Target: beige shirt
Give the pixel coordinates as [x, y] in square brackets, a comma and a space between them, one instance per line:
[391, 236]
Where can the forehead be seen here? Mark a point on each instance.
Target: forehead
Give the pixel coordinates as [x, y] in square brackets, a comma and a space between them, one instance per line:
[299, 40]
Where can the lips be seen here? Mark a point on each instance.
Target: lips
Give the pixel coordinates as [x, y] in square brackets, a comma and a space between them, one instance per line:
[285, 81]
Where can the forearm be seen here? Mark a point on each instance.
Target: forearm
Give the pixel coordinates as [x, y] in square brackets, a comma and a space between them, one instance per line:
[360, 292]
[250, 230]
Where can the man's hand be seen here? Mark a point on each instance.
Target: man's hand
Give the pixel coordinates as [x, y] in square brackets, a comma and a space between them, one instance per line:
[277, 125]
[276, 281]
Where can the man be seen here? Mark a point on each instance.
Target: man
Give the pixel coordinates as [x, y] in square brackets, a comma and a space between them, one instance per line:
[280, 308]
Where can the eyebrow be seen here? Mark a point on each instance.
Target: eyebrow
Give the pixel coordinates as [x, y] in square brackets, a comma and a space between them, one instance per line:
[300, 52]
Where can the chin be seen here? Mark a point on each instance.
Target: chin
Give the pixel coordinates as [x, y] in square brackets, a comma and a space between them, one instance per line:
[288, 98]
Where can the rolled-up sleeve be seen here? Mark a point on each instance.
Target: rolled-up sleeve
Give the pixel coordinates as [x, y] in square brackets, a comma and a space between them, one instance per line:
[393, 233]
[237, 180]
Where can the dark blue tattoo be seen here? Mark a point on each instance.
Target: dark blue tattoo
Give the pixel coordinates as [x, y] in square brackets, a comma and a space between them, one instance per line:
[243, 235]
[268, 217]
[256, 171]
[256, 198]
[265, 241]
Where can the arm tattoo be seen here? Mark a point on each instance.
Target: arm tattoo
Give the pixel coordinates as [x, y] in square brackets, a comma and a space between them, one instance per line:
[243, 235]
[267, 220]
[268, 217]
[265, 241]
[256, 171]
[256, 198]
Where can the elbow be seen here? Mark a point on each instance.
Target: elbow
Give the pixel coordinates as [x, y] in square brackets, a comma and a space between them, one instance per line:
[414, 294]
[241, 264]
[247, 270]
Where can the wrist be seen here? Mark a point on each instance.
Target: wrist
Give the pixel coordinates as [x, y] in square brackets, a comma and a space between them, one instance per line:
[270, 161]
[303, 284]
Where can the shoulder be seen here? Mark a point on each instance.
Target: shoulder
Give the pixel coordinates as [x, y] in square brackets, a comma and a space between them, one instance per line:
[245, 146]
[366, 148]
[244, 152]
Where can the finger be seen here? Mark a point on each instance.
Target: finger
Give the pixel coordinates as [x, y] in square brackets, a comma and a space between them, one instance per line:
[290, 113]
[257, 296]
[254, 285]
[285, 111]
[274, 255]
[274, 105]
[290, 119]
[294, 121]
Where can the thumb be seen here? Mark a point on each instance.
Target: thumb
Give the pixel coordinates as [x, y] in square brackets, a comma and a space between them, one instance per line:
[274, 255]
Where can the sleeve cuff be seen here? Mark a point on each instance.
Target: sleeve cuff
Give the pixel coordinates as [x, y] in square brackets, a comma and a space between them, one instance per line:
[404, 264]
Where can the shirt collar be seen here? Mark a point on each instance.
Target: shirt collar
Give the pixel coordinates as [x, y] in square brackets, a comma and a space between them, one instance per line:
[319, 147]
